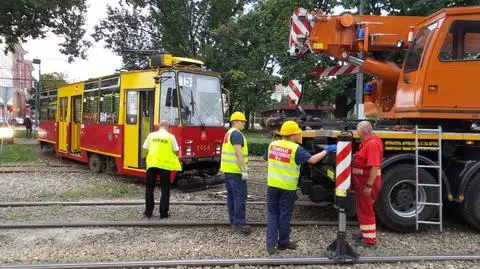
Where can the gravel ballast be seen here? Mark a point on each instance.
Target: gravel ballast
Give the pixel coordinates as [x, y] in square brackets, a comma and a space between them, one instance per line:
[122, 244]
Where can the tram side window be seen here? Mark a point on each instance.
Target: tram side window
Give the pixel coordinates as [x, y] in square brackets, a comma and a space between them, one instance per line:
[63, 109]
[52, 108]
[90, 107]
[132, 107]
[44, 109]
[462, 42]
[109, 105]
[169, 99]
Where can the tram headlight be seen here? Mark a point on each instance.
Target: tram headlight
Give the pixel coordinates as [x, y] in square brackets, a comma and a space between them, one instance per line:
[218, 149]
[188, 150]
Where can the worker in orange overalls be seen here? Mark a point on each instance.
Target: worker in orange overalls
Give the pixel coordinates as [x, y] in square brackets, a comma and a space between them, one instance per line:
[366, 175]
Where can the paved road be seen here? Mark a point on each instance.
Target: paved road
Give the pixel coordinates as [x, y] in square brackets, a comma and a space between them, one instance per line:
[25, 141]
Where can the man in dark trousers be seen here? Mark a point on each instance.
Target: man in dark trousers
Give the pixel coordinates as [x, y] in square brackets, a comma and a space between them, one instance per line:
[28, 126]
[162, 158]
[284, 158]
[234, 161]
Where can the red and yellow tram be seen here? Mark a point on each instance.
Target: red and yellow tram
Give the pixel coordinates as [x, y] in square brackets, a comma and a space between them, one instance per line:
[104, 121]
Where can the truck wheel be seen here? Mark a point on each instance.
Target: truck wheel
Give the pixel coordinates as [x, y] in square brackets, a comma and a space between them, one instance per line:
[395, 205]
[95, 163]
[471, 206]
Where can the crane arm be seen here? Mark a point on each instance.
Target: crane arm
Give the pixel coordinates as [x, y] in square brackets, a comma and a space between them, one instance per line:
[339, 36]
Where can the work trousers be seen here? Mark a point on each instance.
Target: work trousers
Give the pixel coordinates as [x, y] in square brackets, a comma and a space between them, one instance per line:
[165, 190]
[28, 132]
[236, 198]
[365, 207]
[280, 209]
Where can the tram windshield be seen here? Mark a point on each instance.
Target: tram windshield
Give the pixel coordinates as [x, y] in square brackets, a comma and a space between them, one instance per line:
[200, 100]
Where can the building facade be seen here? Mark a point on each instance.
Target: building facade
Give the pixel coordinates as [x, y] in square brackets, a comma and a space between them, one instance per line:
[16, 73]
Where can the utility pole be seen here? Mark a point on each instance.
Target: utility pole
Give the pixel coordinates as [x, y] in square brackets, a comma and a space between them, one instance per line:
[359, 86]
[37, 91]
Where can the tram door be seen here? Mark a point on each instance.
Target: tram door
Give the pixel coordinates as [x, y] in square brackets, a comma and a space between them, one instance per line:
[76, 113]
[139, 123]
[62, 124]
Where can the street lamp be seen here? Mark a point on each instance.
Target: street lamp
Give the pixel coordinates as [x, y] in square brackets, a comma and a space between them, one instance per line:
[37, 91]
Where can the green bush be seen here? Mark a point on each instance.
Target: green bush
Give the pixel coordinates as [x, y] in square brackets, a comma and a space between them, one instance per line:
[257, 149]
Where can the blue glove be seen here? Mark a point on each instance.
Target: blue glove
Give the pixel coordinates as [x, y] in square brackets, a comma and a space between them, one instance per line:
[331, 148]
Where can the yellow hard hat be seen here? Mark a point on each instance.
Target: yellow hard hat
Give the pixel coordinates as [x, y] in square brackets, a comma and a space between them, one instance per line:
[289, 128]
[238, 116]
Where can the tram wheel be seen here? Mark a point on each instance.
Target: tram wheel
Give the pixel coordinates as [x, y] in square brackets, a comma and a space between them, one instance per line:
[95, 163]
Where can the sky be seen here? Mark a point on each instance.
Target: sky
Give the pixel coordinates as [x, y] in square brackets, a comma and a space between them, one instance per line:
[100, 61]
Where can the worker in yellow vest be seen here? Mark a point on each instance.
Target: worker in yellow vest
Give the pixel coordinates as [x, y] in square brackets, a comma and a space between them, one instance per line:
[162, 158]
[284, 160]
[234, 165]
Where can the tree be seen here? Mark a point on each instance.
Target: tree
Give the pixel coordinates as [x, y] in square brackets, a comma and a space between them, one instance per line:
[53, 80]
[21, 19]
[180, 27]
[48, 81]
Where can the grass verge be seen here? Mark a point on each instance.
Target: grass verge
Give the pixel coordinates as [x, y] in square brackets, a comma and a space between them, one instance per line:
[18, 153]
[258, 137]
[103, 189]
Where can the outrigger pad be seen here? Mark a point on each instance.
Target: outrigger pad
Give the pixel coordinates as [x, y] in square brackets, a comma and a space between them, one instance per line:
[340, 250]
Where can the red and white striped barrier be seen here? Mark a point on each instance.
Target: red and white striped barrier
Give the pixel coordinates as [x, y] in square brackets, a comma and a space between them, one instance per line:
[347, 69]
[300, 26]
[344, 168]
[294, 92]
[340, 70]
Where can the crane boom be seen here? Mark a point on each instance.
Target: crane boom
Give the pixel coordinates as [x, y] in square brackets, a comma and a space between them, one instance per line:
[440, 67]
[338, 36]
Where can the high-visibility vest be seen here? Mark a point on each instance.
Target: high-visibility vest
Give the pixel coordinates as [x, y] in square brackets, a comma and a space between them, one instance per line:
[283, 171]
[160, 152]
[228, 162]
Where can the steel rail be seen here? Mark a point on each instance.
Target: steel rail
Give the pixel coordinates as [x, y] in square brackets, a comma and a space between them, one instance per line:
[44, 171]
[150, 223]
[136, 202]
[245, 262]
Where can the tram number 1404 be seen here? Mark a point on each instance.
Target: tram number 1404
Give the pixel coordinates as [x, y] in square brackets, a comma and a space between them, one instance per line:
[203, 147]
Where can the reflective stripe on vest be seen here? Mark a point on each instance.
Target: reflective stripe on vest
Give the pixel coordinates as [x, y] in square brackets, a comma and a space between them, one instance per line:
[283, 172]
[160, 152]
[228, 163]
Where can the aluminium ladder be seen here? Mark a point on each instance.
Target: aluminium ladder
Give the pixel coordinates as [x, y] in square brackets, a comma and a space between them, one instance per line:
[438, 184]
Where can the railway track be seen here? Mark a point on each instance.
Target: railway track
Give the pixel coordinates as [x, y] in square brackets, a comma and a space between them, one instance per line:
[81, 171]
[136, 202]
[152, 223]
[246, 262]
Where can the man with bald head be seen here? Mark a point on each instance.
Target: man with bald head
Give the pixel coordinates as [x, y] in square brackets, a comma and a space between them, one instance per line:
[162, 158]
[366, 175]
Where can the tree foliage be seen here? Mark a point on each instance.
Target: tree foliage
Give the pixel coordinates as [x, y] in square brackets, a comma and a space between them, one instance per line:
[180, 27]
[53, 80]
[21, 19]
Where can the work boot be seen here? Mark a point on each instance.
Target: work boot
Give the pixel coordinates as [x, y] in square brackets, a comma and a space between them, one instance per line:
[243, 229]
[147, 216]
[271, 251]
[359, 242]
[289, 245]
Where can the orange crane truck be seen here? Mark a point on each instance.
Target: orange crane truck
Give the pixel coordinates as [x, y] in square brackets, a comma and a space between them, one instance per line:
[424, 109]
